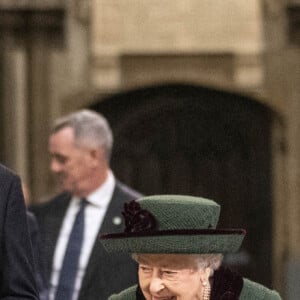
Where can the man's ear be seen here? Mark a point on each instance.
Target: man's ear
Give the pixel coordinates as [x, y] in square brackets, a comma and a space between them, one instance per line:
[95, 156]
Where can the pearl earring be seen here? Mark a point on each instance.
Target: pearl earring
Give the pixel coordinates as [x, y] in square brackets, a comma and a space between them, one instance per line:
[206, 290]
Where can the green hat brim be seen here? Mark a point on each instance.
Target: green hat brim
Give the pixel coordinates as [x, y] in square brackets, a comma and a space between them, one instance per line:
[194, 243]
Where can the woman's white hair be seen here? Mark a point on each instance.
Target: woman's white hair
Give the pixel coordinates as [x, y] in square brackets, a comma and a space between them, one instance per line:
[211, 260]
[203, 261]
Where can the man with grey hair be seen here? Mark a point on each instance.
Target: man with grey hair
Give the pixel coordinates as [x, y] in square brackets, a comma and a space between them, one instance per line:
[79, 268]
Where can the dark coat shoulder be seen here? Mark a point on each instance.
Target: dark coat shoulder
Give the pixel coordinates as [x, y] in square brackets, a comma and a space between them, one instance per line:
[16, 260]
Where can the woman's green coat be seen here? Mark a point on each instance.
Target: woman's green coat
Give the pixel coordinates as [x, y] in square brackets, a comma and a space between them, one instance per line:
[250, 291]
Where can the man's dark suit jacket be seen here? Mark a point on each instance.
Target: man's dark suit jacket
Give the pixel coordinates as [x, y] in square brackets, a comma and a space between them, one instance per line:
[16, 260]
[39, 268]
[105, 273]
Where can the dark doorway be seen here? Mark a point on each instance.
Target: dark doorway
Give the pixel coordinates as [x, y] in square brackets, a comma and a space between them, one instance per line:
[192, 140]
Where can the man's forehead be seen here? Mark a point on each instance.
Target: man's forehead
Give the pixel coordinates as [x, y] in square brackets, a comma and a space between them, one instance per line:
[64, 131]
[62, 138]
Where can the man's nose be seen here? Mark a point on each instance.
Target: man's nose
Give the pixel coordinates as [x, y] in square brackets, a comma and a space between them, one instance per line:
[156, 285]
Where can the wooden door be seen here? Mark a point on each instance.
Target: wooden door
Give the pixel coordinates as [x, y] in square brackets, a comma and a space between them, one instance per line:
[192, 140]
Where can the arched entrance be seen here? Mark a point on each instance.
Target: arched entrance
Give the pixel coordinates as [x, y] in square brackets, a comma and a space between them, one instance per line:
[192, 140]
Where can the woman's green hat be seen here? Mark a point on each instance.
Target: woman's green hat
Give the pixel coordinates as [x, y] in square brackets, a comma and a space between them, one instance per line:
[173, 224]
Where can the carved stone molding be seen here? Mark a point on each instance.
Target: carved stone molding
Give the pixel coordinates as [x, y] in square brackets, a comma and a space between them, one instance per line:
[31, 4]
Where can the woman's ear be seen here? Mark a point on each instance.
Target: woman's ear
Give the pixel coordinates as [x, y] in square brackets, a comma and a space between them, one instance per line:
[204, 276]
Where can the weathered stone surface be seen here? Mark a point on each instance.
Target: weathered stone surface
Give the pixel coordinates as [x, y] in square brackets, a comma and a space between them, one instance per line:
[31, 4]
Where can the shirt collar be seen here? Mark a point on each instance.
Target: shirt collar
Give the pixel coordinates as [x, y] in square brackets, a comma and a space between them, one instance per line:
[102, 195]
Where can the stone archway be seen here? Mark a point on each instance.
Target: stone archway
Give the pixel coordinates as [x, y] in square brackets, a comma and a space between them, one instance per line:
[186, 139]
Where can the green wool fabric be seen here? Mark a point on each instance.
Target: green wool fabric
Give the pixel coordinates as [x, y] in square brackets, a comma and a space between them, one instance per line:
[178, 212]
[255, 291]
[183, 224]
[251, 291]
[180, 244]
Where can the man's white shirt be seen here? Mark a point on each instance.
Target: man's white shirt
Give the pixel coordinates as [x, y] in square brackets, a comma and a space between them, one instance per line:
[94, 214]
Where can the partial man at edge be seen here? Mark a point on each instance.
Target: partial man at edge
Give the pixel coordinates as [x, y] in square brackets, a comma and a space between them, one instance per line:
[80, 146]
[17, 279]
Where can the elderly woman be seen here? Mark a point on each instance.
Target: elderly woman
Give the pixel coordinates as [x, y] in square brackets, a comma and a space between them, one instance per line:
[179, 252]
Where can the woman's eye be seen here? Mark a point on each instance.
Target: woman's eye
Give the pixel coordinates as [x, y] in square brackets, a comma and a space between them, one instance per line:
[169, 272]
[145, 269]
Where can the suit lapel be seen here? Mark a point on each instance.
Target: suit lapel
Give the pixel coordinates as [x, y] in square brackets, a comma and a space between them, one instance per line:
[113, 220]
[93, 270]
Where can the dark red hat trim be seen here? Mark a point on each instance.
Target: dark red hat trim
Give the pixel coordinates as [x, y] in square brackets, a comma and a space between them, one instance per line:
[174, 232]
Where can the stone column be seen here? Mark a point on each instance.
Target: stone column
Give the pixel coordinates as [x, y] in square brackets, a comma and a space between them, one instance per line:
[13, 98]
[28, 38]
[292, 60]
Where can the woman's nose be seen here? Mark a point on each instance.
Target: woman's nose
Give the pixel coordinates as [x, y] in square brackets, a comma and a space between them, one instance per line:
[156, 285]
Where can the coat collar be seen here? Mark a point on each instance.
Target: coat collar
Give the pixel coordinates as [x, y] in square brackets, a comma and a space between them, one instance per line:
[227, 285]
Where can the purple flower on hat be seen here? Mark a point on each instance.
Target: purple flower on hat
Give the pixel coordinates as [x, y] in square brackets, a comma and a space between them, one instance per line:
[137, 219]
